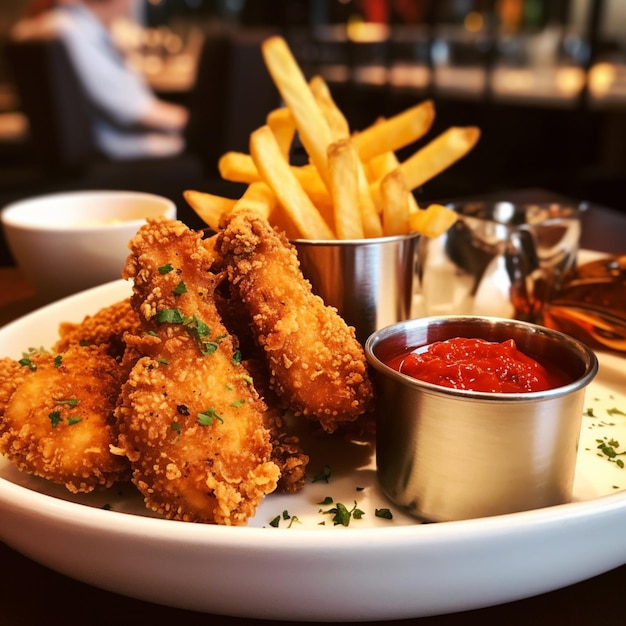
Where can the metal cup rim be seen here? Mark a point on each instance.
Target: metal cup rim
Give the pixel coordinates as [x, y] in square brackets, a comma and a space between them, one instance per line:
[589, 356]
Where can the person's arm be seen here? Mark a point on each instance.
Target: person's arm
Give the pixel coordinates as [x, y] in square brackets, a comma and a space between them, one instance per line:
[164, 115]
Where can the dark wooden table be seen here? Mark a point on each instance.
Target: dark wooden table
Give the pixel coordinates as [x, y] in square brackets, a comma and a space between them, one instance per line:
[33, 595]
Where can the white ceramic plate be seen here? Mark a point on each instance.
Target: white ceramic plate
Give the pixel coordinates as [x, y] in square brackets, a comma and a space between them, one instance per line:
[310, 569]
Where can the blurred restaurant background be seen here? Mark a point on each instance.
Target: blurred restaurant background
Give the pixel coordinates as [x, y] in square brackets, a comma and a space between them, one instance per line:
[544, 79]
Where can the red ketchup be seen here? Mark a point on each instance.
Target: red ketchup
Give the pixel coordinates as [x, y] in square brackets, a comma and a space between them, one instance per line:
[478, 365]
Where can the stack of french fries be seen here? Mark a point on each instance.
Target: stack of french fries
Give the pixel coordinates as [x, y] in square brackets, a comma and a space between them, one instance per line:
[354, 185]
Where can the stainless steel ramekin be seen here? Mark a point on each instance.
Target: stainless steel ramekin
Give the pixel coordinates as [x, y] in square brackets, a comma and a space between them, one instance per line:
[447, 454]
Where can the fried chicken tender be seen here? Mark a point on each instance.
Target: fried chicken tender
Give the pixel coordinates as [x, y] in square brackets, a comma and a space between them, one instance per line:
[317, 367]
[191, 421]
[106, 328]
[57, 417]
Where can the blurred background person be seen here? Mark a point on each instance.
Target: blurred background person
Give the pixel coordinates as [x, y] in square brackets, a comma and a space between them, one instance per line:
[130, 121]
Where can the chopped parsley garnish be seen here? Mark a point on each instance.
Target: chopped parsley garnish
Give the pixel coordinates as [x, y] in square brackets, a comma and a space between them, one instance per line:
[237, 357]
[196, 328]
[237, 403]
[55, 418]
[275, 522]
[615, 411]
[342, 515]
[69, 402]
[208, 417]
[58, 359]
[609, 447]
[180, 289]
[165, 269]
[384, 513]
[26, 362]
[163, 361]
[74, 420]
[323, 475]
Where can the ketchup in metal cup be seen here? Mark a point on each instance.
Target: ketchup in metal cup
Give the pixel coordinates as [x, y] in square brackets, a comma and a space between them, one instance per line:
[478, 365]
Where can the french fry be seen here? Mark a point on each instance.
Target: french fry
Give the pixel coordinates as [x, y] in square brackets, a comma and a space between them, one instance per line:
[389, 135]
[208, 206]
[395, 204]
[372, 226]
[379, 167]
[344, 188]
[238, 167]
[284, 128]
[275, 170]
[296, 93]
[436, 156]
[432, 221]
[339, 127]
[340, 130]
[258, 197]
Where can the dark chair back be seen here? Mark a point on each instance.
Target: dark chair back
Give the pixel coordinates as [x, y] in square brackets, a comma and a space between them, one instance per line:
[53, 100]
[232, 96]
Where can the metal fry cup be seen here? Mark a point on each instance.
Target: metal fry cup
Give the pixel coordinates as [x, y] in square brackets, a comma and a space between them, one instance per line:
[369, 281]
[447, 454]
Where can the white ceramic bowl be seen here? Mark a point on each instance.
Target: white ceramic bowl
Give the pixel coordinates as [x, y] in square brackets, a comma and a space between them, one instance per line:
[67, 242]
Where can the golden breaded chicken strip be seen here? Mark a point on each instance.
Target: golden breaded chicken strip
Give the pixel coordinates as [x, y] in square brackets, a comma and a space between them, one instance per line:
[105, 328]
[316, 364]
[58, 423]
[191, 421]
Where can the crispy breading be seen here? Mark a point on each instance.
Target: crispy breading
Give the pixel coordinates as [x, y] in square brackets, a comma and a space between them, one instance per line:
[191, 421]
[287, 450]
[58, 423]
[105, 328]
[317, 366]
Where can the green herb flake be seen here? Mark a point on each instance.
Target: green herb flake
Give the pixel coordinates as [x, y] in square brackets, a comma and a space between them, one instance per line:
[322, 475]
[326, 501]
[170, 316]
[180, 289]
[166, 269]
[342, 515]
[589, 412]
[275, 522]
[55, 418]
[26, 362]
[293, 520]
[74, 420]
[163, 361]
[58, 360]
[237, 357]
[615, 411]
[208, 417]
[69, 402]
[237, 403]
[609, 448]
[384, 513]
